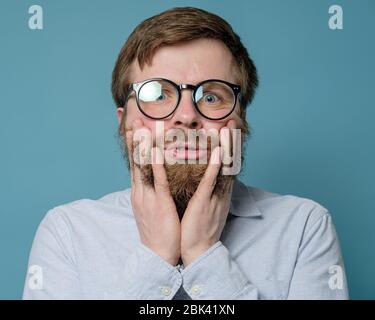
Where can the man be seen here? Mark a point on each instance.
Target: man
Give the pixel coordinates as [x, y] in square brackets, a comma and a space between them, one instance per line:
[187, 228]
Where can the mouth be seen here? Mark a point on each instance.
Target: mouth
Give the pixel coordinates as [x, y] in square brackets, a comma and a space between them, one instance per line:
[186, 152]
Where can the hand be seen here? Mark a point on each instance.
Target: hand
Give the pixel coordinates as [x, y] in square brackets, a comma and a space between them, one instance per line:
[154, 209]
[205, 216]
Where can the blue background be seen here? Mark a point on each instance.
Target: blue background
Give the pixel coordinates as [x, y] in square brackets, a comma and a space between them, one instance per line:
[312, 117]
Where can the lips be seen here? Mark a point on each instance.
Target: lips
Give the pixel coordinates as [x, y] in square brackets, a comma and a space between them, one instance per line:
[185, 151]
[185, 146]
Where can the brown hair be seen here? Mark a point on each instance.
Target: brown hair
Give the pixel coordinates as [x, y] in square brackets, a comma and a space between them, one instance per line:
[179, 25]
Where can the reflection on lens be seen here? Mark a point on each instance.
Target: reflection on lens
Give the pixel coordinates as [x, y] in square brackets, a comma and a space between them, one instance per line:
[157, 98]
[199, 93]
[151, 91]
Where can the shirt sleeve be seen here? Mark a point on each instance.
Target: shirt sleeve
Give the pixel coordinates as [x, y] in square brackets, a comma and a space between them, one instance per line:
[319, 271]
[215, 275]
[52, 270]
[147, 276]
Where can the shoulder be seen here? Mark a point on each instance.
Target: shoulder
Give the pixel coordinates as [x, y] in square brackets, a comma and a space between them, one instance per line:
[285, 209]
[89, 211]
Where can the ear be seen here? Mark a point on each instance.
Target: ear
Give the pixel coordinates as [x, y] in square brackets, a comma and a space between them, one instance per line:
[119, 111]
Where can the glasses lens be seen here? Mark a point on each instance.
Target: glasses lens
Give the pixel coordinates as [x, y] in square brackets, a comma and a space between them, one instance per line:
[215, 99]
[157, 98]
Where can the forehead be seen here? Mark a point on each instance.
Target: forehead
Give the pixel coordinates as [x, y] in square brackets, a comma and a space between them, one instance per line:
[189, 62]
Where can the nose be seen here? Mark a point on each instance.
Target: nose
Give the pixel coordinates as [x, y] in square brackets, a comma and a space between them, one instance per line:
[186, 116]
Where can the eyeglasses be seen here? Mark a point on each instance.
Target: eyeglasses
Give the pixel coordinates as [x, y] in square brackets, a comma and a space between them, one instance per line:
[159, 98]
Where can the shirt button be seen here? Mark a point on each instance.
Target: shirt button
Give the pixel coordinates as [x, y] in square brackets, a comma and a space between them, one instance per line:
[195, 289]
[166, 291]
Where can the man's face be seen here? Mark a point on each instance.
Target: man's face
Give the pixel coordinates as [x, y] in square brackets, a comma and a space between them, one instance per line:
[188, 63]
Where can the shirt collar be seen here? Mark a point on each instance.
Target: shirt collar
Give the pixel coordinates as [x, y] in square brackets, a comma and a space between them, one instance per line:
[243, 203]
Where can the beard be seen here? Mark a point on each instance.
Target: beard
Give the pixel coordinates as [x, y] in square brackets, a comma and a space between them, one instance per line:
[183, 178]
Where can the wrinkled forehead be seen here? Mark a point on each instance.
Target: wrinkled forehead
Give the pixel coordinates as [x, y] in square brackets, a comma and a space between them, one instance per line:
[189, 62]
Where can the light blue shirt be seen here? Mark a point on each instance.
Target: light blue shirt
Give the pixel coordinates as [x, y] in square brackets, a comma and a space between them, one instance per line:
[272, 247]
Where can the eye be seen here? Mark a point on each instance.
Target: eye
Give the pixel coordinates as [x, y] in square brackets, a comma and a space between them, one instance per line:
[165, 94]
[210, 98]
[162, 97]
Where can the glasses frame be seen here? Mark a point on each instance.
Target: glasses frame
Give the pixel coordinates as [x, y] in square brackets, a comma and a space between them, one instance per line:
[137, 86]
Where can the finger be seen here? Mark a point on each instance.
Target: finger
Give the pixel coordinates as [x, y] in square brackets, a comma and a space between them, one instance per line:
[228, 197]
[226, 189]
[143, 136]
[225, 138]
[208, 182]
[137, 124]
[131, 134]
[229, 188]
[134, 169]
[235, 147]
[160, 176]
[129, 142]
[223, 200]
[232, 126]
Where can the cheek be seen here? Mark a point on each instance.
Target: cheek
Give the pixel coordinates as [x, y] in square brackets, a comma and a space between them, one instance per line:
[130, 114]
[236, 116]
[133, 113]
[207, 124]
